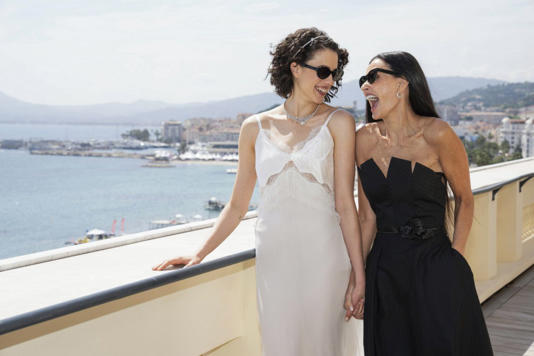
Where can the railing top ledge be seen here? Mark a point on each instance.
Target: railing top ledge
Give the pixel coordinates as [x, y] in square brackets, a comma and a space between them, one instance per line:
[50, 312]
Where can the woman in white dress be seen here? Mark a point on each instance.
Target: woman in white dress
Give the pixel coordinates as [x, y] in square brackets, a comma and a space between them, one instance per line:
[308, 241]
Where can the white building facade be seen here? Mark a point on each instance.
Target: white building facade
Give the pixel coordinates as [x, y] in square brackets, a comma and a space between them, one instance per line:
[527, 141]
[173, 131]
[518, 133]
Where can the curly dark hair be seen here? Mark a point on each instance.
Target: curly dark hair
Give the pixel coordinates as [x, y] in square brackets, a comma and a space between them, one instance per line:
[299, 47]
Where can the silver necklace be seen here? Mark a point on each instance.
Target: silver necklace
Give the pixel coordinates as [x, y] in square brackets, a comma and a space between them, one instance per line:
[304, 119]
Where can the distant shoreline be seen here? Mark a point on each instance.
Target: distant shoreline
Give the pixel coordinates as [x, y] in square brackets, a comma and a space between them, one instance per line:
[215, 163]
[147, 157]
[89, 123]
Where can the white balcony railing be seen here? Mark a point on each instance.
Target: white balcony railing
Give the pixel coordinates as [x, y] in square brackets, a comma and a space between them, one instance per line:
[104, 299]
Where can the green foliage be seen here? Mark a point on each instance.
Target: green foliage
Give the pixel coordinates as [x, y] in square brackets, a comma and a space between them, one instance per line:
[482, 152]
[183, 147]
[157, 134]
[510, 96]
[141, 135]
[505, 146]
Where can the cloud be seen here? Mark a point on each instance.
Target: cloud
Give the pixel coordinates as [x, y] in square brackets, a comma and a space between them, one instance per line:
[181, 51]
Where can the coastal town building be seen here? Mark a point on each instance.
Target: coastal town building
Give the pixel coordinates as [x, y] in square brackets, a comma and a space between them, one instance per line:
[512, 131]
[470, 130]
[527, 140]
[449, 114]
[173, 131]
[520, 133]
[493, 117]
[218, 136]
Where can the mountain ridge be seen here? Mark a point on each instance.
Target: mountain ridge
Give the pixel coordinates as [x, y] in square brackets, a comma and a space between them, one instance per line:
[496, 97]
[145, 112]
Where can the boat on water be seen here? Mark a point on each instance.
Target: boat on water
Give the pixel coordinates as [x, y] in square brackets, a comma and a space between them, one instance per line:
[214, 204]
[178, 219]
[92, 235]
[161, 159]
[158, 164]
[231, 171]
[198, 217]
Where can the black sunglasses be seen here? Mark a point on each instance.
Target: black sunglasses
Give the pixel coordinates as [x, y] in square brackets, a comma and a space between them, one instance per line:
[371, 76]
[323, 71]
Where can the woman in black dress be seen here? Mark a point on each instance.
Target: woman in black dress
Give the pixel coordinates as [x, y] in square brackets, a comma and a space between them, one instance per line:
[420, 294]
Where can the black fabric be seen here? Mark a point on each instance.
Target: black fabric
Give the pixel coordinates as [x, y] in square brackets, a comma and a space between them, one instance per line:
[420, 293]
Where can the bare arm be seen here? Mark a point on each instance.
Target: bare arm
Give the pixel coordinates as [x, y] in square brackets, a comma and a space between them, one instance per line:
[236, 209]
[455, 165]
[343, 133]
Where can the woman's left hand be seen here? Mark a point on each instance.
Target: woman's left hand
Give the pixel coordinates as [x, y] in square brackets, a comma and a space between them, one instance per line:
[348, 300]
[358, 300]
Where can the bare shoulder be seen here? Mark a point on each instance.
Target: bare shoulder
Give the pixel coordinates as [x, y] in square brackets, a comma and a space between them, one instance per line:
[265, 116]
[249, 128]
[438, 132]
[367, 135]
[341, 121]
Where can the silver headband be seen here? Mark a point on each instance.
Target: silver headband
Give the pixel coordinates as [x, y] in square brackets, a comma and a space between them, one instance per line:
[310, 41]
[307, 43]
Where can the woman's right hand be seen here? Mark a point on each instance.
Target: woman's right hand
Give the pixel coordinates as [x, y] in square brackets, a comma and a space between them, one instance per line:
[349, 308]
[236, 208]
[182, 260]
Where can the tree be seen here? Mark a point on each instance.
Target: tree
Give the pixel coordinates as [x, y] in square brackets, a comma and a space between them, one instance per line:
[141, 135]
[480, 141]
[482, 152]
[183, 147]
[498, 159]
[518, 154]
[505, 146]
[157, 135]
[482, 157]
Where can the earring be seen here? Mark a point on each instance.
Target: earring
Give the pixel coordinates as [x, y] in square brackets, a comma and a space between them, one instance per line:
[399, 95]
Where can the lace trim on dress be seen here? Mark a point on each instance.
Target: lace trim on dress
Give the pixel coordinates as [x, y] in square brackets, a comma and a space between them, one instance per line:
[308, 176]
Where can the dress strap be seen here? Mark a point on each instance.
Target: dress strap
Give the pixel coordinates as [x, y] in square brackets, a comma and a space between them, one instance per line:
[258, 121]
[330, 116]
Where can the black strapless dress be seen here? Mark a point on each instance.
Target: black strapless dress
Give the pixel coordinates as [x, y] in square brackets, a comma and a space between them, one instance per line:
[420, 297]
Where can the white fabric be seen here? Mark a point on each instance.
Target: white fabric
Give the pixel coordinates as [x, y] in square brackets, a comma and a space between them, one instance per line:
[302, 265]
[313, 156]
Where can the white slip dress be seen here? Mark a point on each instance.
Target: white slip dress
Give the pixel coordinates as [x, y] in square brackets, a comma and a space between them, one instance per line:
[302, 264]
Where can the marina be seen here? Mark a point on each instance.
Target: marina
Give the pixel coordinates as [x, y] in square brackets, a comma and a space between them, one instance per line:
[156, 152]
[63, 196]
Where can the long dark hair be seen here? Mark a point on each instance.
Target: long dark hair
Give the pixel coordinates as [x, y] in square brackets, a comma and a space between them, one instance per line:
[421, 102]
[408, 68]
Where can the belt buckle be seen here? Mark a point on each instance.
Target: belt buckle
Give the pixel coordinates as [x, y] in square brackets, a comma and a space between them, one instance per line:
[414, 230]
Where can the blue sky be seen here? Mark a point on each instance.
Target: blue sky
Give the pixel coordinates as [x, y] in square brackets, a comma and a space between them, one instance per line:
[86, 52]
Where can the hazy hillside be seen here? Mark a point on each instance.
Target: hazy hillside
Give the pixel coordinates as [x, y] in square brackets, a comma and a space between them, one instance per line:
[441, 88]
[497, 97]
[153, 113]
[14, 110]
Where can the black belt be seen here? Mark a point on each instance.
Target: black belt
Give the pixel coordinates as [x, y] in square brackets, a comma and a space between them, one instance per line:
[413, 230]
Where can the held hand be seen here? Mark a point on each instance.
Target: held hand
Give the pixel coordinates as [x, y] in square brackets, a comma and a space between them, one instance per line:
[358, 300]
[348, 301]
[182, 260]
